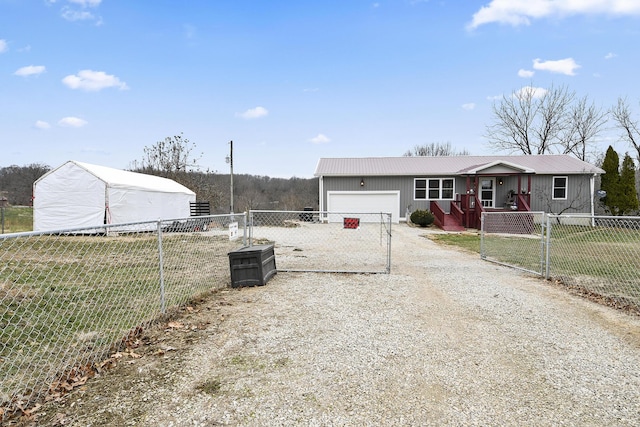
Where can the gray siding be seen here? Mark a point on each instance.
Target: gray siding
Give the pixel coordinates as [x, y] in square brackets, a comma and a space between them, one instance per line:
[578, 191]
[578, 195]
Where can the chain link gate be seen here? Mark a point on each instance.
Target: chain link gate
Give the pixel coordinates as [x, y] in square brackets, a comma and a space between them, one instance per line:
[514, 239]
[325, 242]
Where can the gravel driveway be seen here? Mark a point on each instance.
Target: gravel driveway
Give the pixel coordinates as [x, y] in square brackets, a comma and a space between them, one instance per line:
[446, 339]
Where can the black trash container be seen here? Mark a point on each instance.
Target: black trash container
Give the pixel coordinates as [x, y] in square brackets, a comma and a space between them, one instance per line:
[252, 265]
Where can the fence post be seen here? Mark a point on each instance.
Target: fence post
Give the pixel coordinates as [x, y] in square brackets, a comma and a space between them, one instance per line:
[245, 217]
[161, 269]
[543, 238]
[548, 251]
[389, 244]
[482, 254]
[250, 225]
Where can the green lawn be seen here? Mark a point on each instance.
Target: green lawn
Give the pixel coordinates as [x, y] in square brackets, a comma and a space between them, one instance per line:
[602, 260]
[66, 300]
[16, 219]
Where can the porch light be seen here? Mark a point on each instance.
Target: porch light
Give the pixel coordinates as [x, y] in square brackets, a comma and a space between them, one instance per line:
[362, 183]
[500, 182]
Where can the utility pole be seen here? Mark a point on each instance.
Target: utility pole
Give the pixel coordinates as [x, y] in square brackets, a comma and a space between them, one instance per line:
[230, 161]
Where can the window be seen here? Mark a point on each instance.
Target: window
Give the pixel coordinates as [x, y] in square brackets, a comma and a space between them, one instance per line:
[559, 188]
[421, 189]
[434, 188]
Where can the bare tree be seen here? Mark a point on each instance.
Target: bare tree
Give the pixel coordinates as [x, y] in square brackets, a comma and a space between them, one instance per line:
[621, 114]
[169, 157]
[435, 149]
[539, 121]
[586, 122]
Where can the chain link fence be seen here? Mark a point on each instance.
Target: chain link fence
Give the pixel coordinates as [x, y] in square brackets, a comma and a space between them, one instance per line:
[599, 256]
[325, 242]
[515, 239]
[70, 299]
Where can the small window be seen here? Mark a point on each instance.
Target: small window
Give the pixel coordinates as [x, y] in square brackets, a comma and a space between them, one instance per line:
[420, 189]
[447, 189]
[434, 189]
[559, 188]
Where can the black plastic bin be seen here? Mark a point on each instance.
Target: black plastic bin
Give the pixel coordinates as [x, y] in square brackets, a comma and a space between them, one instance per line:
[252, 265]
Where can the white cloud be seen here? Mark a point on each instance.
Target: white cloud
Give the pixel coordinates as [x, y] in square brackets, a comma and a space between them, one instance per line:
[86, 3]
[469, 106]
[320, 139]
[494, 97]
[77, 15]
[3, 45]
[73, 122]
[90, 80]
[525, 73]
[42, 124]
[521, 12]
[565, 66]
[30, 70]
[610, 55]
[253, 113]
[78, 10]
[534, 92]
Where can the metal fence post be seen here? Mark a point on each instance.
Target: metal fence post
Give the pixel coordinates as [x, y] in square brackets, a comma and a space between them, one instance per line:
[548, 251]
[244, 228]
[483, 255]
[543, 229]
[389, 244]
[250, 225]
[161, 269]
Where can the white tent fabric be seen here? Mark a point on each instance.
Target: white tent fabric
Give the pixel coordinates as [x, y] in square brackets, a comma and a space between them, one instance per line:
[78, 194]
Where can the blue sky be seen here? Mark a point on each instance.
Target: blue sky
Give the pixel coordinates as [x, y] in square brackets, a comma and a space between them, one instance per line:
[292, 81]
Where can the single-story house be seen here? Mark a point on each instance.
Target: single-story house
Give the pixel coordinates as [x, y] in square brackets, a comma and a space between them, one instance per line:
[77, 194]
[457, 189]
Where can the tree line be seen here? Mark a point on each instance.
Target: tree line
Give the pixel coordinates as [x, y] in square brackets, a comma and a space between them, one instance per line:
[250, 191]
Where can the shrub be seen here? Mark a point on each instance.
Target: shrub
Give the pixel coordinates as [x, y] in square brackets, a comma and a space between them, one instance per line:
[421, 217]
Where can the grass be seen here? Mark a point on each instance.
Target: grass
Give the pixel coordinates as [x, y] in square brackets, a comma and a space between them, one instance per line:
[16, 219]
[70, 299]
[602, 260]
[467, 241]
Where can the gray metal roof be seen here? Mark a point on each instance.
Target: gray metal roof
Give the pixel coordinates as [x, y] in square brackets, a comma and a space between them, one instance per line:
[454, 165]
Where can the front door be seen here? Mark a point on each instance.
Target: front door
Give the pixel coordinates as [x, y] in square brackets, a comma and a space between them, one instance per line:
[487, 192]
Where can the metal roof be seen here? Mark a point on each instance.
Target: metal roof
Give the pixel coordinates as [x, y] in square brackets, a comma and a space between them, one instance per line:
[453, 165]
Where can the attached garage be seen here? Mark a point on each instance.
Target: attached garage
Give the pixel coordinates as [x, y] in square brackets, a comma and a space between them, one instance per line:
[364, 202]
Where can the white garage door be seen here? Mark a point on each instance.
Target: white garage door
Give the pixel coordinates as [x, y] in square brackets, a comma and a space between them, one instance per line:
[364, 202]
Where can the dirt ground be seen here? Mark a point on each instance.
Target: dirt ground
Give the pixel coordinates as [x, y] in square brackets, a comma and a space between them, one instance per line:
[446, 339]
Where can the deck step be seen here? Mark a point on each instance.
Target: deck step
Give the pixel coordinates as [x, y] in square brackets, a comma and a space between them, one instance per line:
[451, 224]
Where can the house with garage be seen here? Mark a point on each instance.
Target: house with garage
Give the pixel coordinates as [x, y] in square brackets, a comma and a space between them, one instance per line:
[457, 189]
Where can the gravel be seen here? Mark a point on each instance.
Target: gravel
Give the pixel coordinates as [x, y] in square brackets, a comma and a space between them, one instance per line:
[445, 339]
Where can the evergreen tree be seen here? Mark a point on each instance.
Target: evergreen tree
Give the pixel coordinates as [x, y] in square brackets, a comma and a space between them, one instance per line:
[610, 181]
[628, 198]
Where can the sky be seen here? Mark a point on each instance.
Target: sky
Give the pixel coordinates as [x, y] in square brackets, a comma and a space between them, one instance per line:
[290, 82]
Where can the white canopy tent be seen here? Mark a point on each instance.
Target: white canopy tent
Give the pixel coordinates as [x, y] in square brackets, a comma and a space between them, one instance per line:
[79, 194]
